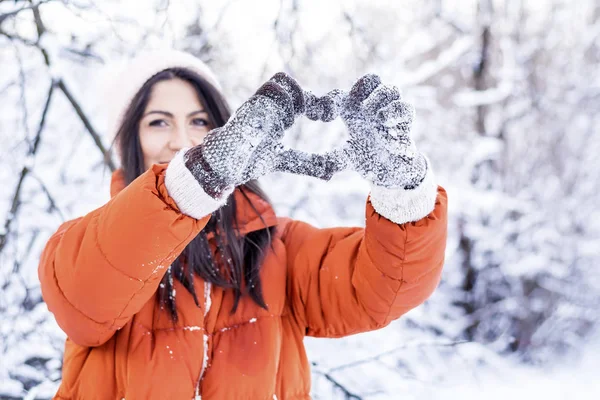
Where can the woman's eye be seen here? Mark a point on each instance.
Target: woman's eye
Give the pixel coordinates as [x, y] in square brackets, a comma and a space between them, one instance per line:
[199, 122]
[158, 122]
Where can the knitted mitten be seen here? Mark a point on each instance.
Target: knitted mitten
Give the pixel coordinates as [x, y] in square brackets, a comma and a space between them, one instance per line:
[200, 178]
[381, 150]
[380, 147]
[248, 147]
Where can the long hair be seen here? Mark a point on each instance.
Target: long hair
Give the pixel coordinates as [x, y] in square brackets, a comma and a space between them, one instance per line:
[236, 257]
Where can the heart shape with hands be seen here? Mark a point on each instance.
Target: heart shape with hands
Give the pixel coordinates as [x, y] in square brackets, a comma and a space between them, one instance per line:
[249, 146]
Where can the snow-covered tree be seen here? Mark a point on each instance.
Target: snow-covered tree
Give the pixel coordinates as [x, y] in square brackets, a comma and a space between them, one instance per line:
[507, 95]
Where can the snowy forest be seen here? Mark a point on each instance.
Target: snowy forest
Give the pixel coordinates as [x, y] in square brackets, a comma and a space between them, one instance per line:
[507, 98]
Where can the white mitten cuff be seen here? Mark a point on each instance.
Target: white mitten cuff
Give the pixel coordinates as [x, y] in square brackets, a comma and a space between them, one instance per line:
[187, 192]
[400, 205]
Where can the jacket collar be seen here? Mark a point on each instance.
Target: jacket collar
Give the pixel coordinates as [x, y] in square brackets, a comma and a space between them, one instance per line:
[248, 219]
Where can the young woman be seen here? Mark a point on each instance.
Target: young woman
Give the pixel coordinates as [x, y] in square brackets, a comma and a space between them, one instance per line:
[187, 285]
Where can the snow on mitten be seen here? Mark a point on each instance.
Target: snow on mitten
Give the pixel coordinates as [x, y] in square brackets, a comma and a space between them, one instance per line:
[381, 150]
[201, 178]
[271, 155]
[322, 166]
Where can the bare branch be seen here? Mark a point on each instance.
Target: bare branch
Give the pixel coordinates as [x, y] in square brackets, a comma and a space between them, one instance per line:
[18, 38]
[23, 96]
[221, 16]
[63, 87]
[483, 65]
[18, 263]
[7, 86]
[349, 394]
[452, 23]
[7, 15]
[16, 201]
[357, 32]
[53, 206]
[377, 357]
[263, 74]
[41, 28]
[86, 122]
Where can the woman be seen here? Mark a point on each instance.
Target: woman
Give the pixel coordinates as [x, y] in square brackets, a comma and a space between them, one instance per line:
[187, 285]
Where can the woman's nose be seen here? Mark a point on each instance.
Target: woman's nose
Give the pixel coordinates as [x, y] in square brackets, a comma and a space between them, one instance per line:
[179, 139]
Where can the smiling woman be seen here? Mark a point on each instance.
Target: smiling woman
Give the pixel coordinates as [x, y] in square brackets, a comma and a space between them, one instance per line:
[179, 289]
[173, 109]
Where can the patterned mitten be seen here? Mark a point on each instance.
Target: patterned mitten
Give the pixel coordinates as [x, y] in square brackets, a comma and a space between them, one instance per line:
[200, 178]
[381, 150]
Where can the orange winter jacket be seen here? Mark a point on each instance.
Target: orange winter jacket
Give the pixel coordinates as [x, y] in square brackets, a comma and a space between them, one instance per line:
[100, 273]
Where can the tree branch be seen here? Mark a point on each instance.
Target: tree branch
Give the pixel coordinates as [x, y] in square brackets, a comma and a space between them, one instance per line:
[86, 122]
[7, 15]
[327, 375]
[377, 357]
[16, 201]
[53, 206]
[22, 87]
[20, 39]
[62, 85]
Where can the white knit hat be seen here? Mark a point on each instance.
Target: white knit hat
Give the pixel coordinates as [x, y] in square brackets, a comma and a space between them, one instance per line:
[124, 78]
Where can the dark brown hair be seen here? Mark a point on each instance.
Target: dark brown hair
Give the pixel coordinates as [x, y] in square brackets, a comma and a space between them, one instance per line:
[236, 257]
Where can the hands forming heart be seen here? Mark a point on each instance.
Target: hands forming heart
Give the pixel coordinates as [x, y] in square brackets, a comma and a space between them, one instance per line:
[249, 145]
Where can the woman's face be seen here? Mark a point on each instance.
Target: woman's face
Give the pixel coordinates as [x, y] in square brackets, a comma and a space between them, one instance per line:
[174, 118]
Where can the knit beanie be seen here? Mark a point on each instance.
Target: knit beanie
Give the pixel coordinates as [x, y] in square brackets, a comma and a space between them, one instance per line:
[124, 78]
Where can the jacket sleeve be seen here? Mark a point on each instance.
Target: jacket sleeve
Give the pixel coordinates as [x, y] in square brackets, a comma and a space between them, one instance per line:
[343, 281]
[97, 271]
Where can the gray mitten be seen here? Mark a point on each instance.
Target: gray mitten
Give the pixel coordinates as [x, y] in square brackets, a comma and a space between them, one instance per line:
[246, 147]
[380, 147]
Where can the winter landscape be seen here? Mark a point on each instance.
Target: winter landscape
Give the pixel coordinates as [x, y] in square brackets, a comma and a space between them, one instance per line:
[507, 99]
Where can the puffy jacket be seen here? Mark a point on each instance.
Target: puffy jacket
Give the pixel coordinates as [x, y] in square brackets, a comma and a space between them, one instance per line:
[100, 273]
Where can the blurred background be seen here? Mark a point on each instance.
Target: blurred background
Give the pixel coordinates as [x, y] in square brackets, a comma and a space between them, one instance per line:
[507, 95]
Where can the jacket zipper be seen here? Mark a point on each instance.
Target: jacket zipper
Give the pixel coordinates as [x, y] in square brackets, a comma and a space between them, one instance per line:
[207, 304]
